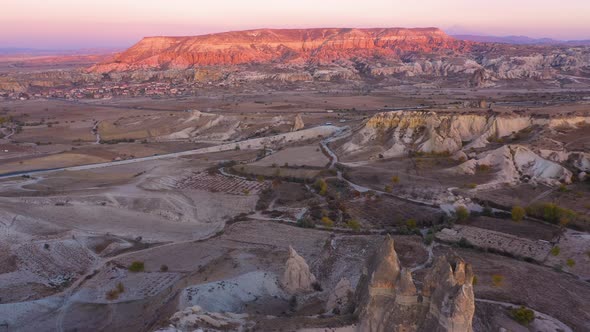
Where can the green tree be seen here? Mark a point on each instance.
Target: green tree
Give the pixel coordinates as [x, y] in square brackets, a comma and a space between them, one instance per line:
[522, 315]
[354, 225]
[136, 266]
[555, 251]
[462, 213]
[327, 222]
[321, 186]
[497, 280]
[518, 213]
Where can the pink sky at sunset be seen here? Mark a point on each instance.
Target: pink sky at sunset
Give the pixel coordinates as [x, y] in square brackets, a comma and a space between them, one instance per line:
[121, 23]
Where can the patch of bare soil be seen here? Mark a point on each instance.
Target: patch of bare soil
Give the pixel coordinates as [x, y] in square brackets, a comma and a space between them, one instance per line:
[525, 228]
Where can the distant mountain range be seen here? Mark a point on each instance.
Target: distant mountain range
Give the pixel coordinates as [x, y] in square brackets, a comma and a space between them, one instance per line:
[47, 52]
[520, 40]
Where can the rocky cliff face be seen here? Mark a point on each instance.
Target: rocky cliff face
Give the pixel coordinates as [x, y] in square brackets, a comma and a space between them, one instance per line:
[390, 301]
[284, 46]
[350, 54]
[470, 137]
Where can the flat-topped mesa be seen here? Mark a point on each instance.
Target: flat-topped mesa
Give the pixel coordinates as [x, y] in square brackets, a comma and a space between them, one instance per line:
[389, 300]
[279, 45]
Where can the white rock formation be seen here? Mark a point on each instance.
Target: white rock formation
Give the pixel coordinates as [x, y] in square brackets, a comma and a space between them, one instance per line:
[394, 134]
[297, 276]
[197, 319]
[516, 163]
[298, 123]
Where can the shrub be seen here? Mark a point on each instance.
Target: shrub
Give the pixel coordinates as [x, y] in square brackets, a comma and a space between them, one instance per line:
[136, 266]
[164, 268]
[293, 302]
[551, 213]
[487, 211]
[483, 168]
[317, 286]
[461, 213]
[428, 239]
[305, 223]
[474, 280]
[354, 225]
[555, 251]
[472, 185]
[120, 288]
[395, 179]
[497, 280]
[518, 213]
[388, 189]
[522, 315]
[570, 262]
[411, 223]
[321, 186]
[327, 222]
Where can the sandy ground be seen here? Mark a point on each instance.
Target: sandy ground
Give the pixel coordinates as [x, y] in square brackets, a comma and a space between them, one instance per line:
[297, 156]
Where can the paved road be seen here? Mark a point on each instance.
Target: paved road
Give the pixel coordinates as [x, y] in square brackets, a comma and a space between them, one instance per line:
[254, 143]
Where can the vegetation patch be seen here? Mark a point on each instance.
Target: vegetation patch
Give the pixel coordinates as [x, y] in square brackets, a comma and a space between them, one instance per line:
[136, 266]
[522, 315]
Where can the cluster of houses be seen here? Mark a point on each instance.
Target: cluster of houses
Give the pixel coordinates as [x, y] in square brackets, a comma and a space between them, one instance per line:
[106, 91]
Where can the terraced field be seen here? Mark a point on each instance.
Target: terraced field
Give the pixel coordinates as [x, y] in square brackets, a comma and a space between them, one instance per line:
[221, 183]
[389, 212]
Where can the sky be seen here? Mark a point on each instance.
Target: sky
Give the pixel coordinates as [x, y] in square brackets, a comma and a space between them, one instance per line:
[71, 24]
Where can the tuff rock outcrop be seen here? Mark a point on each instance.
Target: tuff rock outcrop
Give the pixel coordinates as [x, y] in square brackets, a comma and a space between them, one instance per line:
[297, 276]
[196, 319]
[468, 135]
[298, 123]
[340, 298]
[390, 301]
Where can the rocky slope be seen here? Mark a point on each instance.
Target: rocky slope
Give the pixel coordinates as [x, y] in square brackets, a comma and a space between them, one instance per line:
[390, 301]
[474, 138]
